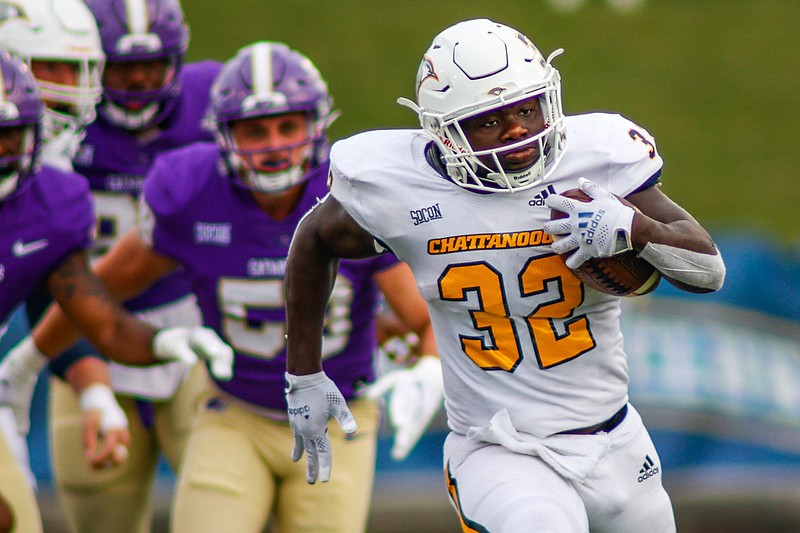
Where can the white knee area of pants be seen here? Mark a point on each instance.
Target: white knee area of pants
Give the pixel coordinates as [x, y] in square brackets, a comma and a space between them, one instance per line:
[650, 514]
[693, 268]
[507, 492]
[542, 514]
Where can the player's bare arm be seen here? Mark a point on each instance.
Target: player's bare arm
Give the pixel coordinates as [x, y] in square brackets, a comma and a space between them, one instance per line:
[407, 305]
[86, 304]
[668, 223]
[325, 233]
[131, 266]
[126, 270]
[668, 237]
[94, 311]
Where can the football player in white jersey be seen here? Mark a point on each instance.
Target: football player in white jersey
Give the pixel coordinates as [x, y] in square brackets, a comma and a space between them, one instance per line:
[536, 383]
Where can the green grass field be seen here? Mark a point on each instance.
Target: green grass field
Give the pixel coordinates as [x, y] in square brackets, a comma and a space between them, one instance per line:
[715, 81]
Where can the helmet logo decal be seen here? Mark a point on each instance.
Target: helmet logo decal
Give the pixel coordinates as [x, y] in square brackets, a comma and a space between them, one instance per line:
[9, 11]
[426, 72]
[497, 91]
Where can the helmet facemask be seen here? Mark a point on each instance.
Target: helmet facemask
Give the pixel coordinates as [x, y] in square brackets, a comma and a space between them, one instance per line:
[136, 33]
[476, 67]
[135, 109]
[48, 35]
[243, 162]
[270, 80]
[478, 169]
[70, 107]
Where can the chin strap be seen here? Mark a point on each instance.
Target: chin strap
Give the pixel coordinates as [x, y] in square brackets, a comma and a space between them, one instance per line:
[131, 120]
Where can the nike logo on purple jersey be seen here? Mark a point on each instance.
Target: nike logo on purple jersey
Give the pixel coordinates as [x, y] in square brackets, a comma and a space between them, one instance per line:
[21, 249]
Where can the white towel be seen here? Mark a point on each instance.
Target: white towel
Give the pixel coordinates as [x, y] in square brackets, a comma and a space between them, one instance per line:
[572, 456]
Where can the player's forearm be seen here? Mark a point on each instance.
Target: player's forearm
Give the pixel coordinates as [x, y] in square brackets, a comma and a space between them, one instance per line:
[120, 337]
[54, 333]
[685, 234]
[87, 371]
[683, 252]
[427, 342]
[115, 332]
[125, 339]
[310, 273]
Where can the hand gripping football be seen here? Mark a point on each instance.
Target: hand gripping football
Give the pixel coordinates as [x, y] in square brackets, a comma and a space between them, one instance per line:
[623, 274]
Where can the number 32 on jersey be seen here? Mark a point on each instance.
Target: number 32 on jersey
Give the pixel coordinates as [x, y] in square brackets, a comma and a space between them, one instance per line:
[546, 276]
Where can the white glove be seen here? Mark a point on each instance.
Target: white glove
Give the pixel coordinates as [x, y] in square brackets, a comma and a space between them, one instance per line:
[599, 228]
[99, 397]
[19, 372]
[190, 344]
[104, 417]
[415, 396]
[313, 400]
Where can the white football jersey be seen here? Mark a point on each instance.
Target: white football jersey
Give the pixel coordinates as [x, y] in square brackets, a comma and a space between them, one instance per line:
[515, 328]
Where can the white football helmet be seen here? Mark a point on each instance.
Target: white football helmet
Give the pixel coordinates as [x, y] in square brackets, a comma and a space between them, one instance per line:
[57, 30]
[474, 67]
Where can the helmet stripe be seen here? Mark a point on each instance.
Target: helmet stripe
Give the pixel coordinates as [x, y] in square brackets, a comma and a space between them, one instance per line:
[261, 63]
[137, 16]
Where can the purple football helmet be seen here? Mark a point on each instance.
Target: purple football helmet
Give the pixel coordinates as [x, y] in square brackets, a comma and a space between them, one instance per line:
[20, 106]
[135, 31]
[263, 79]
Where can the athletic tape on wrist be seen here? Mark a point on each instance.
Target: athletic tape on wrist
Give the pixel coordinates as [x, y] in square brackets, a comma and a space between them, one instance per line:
[100, 397]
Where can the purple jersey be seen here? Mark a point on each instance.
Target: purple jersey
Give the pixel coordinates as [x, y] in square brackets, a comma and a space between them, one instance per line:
[47, 220]
[235, 256]
[115, 161]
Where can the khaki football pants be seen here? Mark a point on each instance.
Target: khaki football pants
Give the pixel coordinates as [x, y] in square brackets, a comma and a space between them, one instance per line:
[118, 499]
[18, 493]
[238, 474]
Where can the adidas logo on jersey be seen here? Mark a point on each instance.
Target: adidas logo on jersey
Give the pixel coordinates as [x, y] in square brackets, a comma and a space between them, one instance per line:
[538, 198]
[649, 469]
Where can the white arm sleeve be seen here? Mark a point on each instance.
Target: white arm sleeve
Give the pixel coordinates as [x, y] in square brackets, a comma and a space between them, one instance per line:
[693, 268]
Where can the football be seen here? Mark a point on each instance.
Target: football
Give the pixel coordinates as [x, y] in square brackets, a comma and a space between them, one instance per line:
[623, 274]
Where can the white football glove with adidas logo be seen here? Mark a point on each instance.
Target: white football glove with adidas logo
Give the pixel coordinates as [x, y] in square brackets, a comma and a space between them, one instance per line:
[190, 344]
[599, 228]
[415, 396]
[312, 401]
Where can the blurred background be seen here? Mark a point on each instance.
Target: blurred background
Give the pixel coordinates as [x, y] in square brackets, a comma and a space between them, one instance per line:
[716, 82]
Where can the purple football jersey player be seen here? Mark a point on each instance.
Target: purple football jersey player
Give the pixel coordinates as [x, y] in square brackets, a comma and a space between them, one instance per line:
[151, 103]
[235, 254]
[225, 214]
[46, 218]
[142, 114]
